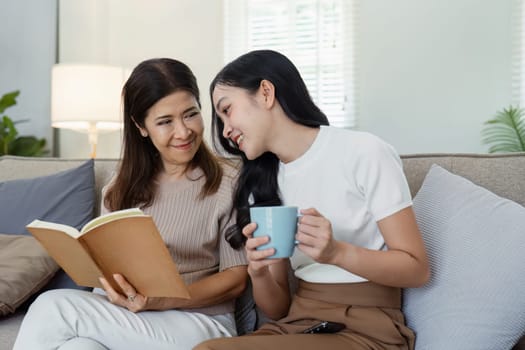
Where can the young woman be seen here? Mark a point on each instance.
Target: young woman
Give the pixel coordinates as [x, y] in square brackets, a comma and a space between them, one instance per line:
[358, 239]
[169, 172]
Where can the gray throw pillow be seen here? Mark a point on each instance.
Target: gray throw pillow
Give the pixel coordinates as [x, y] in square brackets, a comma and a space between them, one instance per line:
[66, 197]
[475, 241]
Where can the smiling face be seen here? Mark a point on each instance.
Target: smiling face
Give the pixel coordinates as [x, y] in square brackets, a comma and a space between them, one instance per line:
[246, 120]
[174, 125]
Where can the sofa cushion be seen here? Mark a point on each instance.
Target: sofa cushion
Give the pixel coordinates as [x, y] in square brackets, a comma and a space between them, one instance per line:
[474, 240]
[64, 197]
[25, 268]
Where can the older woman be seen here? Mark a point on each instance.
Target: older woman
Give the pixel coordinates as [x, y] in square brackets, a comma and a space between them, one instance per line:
[168, 171]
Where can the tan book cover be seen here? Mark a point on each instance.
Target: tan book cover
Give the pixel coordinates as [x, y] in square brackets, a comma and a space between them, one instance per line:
[125, 241]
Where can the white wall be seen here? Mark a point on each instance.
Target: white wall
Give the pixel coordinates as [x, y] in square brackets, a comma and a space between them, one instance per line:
[27, 52]
[431, 72]
[125, 32]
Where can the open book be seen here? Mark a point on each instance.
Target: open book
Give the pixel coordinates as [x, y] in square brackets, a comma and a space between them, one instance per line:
[124, 241]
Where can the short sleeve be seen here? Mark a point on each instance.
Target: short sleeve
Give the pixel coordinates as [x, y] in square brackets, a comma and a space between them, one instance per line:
[229, 257]
[381, 180]
[103, 208]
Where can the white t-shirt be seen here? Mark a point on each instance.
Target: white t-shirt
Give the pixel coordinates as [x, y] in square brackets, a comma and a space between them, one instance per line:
[352, 178]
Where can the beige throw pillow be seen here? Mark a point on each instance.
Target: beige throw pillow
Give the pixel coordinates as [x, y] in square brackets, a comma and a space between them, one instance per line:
[25, 268]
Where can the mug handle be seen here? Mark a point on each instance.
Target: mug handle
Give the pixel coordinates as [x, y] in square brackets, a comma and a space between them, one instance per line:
[296, 242]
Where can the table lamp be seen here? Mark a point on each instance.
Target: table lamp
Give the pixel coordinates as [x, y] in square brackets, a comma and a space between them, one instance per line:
[87, 98]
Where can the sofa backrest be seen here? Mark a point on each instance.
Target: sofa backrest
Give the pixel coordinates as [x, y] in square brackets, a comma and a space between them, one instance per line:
[503, 174]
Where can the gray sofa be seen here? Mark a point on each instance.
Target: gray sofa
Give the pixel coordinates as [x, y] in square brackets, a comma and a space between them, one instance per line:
[501, 174]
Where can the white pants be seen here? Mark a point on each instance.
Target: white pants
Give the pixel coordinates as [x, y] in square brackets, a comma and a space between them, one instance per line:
[74, 319]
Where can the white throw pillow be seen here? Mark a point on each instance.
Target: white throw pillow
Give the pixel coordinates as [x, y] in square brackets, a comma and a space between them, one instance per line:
[475, 240]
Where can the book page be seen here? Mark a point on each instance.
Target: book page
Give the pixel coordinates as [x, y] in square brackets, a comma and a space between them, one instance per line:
[109, 217]
[71, 231]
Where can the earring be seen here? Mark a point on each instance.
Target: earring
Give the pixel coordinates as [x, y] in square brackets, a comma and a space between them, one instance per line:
[143, 133]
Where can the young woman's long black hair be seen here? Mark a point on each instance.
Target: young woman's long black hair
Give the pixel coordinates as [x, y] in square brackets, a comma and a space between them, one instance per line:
[257, 184]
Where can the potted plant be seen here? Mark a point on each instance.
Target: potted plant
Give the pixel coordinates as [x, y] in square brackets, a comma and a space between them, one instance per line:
[506, 131]
[10, 142]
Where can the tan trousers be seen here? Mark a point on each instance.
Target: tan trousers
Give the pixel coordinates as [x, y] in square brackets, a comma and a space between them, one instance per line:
[371, 312]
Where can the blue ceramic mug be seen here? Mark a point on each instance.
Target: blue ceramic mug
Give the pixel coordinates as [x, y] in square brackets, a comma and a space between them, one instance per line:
[280, 224]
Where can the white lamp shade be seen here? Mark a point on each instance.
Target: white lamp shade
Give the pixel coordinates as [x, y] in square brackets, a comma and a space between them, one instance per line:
[87, 96]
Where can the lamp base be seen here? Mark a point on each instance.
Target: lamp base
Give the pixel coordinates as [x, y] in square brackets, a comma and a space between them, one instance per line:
[93, 153]
[93, 138]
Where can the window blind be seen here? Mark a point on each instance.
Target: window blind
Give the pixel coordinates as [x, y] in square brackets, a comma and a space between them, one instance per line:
[316, 35]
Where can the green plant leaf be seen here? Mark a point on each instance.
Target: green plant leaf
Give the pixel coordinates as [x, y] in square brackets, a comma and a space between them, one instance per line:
[28, 146]
[10, 142]
[8, 134]
[8, 100]
[506, 131]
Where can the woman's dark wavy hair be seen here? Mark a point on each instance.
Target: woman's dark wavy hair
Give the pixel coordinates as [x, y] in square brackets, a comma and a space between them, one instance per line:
[134, 184]
[258, 177]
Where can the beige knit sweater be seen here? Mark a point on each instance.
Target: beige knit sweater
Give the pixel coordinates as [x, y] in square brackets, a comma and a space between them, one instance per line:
[194, 228]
